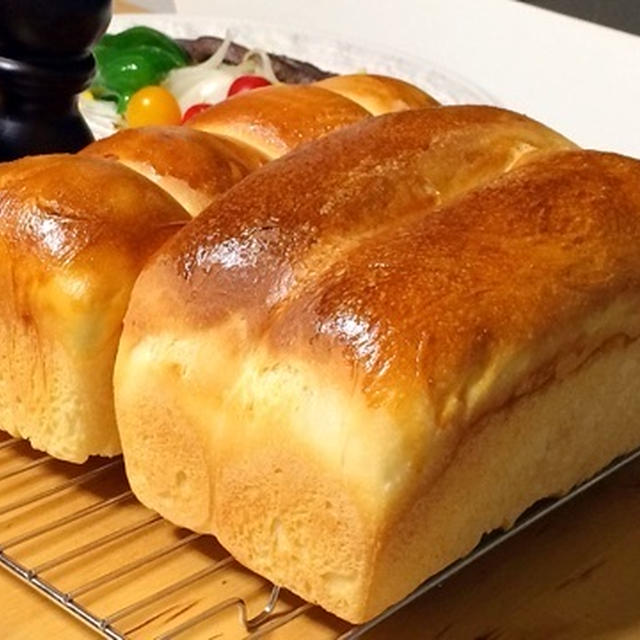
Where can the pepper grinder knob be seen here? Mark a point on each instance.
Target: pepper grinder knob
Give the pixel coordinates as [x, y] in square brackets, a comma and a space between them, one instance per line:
[45, 62]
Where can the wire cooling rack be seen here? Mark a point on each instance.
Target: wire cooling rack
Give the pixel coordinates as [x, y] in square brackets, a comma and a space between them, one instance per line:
[76, 534]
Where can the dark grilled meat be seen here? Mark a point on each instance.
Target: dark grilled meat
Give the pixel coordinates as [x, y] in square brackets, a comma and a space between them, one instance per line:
[287, 69]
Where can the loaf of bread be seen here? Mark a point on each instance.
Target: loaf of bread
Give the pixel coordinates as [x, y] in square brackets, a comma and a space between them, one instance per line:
[376, 349]
[69, 256]
[75, 231]
[378, 94]
[277, 119]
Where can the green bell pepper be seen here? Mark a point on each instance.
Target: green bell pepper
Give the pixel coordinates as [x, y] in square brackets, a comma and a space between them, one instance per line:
[135, 58]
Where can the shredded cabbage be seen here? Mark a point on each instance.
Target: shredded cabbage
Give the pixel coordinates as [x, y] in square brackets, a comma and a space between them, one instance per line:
[101, 115]
[218, 57]
[210, 80]
[264, 68]
[204, 82]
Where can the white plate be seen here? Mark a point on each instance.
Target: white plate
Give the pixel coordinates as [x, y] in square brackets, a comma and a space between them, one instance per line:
[323, 51]
[580, 79]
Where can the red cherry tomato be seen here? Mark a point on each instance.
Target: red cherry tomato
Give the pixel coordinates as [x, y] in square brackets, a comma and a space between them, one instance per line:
[194, 110]
[246, 83]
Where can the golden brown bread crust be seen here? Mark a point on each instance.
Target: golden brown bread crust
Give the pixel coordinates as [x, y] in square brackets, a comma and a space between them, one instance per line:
[304, 361]
[558, 236]
[279, 118]
[74, 233]
[311, 204]
[70, 192]
[456, 314]
[378, 94]
[193, 166]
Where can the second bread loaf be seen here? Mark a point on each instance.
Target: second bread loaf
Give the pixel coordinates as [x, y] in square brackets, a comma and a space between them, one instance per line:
[74, 233]
[251, 383]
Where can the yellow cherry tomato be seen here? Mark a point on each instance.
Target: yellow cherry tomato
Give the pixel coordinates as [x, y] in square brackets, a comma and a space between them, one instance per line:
[152, 105]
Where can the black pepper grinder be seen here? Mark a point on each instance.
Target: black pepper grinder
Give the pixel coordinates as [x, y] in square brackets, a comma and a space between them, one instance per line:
[45, 62]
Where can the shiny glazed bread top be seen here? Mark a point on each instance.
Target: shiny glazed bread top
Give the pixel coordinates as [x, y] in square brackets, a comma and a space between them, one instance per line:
[260, 240]
[74, 233]
[279, 118]
[194, 167]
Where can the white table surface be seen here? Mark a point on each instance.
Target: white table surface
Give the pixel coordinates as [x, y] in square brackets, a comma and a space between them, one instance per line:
[579, 78]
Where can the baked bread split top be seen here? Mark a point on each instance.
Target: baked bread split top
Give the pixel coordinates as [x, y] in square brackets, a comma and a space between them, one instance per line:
[385, 344]
[74, 234]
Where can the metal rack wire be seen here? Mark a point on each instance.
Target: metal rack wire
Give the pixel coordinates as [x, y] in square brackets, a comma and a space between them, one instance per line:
[77, 535]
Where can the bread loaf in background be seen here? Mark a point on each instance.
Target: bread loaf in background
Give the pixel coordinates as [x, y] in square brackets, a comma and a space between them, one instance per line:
[242, 133]
[194, 167]
[378, 94]
[376, 349]
[74, 233]
[277, 119]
